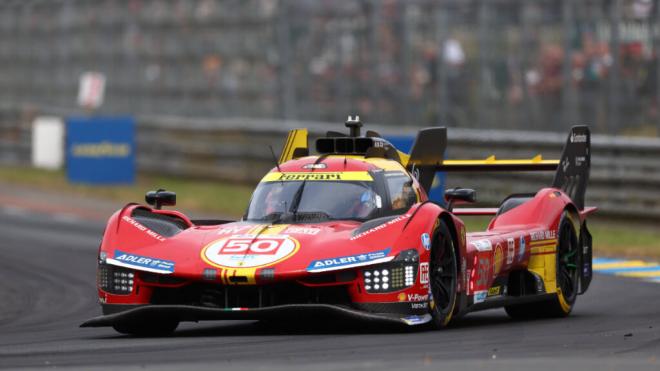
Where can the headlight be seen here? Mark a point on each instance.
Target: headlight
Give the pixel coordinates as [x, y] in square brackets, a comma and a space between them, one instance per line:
[392, 276]
[115, 280]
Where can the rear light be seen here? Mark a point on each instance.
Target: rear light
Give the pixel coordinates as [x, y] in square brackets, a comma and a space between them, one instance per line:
[115, 280]
[396, 275]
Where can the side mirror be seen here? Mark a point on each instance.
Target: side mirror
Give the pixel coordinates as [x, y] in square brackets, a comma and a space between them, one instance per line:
[459, 195]
[160, 198]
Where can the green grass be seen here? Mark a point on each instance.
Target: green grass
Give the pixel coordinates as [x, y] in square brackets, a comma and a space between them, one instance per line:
[611, 238]
[200, 195]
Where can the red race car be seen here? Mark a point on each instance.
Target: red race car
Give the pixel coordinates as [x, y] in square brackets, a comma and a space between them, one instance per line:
[350, 232]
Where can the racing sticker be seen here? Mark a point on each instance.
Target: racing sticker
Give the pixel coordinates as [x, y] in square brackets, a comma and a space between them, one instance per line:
[511, 250]
[144, 263]
[480, 296]
[349, 261]
[249, 251]
[417, 320]
[494, 291]
[499, 259]
[423, 273]
[483, 245]
[141, 227]
[426, 241]
[318, 176]
[521, 248]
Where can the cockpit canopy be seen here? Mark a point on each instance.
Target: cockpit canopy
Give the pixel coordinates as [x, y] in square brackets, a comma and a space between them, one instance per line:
[319, 199]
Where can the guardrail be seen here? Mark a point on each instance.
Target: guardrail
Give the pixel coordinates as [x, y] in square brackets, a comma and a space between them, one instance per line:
[624, 182]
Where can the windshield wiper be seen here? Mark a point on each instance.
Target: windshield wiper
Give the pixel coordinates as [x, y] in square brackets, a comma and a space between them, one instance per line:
[298, 195]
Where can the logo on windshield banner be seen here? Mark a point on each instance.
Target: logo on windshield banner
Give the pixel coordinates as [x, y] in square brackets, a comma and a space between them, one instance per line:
[318, 176]
[249, 251]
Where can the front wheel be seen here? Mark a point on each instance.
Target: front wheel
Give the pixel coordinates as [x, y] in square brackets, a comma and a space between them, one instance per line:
[443, 275]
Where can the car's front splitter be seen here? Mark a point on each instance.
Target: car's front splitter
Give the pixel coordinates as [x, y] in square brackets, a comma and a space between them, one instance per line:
[131, 313]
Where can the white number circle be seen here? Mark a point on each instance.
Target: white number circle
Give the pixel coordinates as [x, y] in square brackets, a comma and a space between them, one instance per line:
[248, 251]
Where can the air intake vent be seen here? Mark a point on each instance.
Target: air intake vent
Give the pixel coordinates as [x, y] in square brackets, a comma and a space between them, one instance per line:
[344, 145]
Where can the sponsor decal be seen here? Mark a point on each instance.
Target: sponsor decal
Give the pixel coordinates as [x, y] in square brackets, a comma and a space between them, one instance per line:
[101, 149]
[381, 226]
[401, 297]
[236, 229]
[426, 241]
[482, 272]
[480, 296]
[521, 248]
[417, 320]
[318, 176]
[422, 305]
[579, 160]
[424, 273]
[511, 250]
[417, 297]
[462, 233]
[499, 260]
[578, 138]
[494, 291]
[144, 229]
[314, 166]
[543, 235]
[348, 261]
[565, 164]
[145, 263]
[483, 245]
[249, 251]
[312, 231]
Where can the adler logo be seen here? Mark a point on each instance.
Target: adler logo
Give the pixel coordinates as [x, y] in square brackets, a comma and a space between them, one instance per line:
[578, 138]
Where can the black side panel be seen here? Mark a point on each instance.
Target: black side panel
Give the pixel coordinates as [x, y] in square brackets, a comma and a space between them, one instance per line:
[427, 152]
[165, 225]
[573, 171]
[586, 271]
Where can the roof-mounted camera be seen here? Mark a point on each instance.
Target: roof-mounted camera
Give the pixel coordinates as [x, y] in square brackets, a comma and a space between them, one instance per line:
[354, 124]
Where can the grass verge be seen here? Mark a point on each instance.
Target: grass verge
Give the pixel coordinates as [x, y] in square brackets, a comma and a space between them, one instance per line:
[200, 195]
[611, 238]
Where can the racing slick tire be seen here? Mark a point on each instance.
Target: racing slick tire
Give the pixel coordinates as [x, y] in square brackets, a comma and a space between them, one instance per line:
[162, 327]
[443, 273]
[567, 274]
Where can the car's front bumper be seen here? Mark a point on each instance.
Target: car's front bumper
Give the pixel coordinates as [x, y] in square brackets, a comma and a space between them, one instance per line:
[116, 314]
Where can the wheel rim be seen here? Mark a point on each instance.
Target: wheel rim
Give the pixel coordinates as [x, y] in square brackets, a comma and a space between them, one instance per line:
[443, 274]
[567, 267]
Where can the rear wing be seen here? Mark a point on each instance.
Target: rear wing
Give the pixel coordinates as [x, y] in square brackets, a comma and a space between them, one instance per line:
[571, 171]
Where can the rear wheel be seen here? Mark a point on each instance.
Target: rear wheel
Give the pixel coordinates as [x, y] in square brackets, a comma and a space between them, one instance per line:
[442, 276]
[161, 327]
[567, 278]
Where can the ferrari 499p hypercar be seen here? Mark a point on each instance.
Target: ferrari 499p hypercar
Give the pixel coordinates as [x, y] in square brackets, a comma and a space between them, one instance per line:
[350, 232]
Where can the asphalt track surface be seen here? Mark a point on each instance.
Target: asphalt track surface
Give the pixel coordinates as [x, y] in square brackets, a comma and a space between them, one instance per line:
[47, 275]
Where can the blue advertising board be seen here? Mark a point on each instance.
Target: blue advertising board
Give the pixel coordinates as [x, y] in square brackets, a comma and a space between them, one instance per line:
[100, 150]
[404, 144]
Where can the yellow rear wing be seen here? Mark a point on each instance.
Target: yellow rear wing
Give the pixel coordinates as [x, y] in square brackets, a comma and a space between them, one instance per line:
[493, 164]
[295, 145]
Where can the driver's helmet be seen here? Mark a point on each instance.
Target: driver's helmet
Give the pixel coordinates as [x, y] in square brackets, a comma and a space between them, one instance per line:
[367, 203]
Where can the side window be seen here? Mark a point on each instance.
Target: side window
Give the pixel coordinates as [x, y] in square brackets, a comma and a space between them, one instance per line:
[400, 188]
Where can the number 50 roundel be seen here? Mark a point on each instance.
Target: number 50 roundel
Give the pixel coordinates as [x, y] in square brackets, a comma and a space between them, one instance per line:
[249, 251]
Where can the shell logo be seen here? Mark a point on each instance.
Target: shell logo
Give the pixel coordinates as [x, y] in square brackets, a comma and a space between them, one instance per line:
[498, 260]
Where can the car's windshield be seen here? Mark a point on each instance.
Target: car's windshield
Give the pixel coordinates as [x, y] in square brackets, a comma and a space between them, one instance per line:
[317, 200]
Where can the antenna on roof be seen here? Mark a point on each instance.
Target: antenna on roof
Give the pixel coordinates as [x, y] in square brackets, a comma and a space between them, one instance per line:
[354, 124]
[277, 164]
